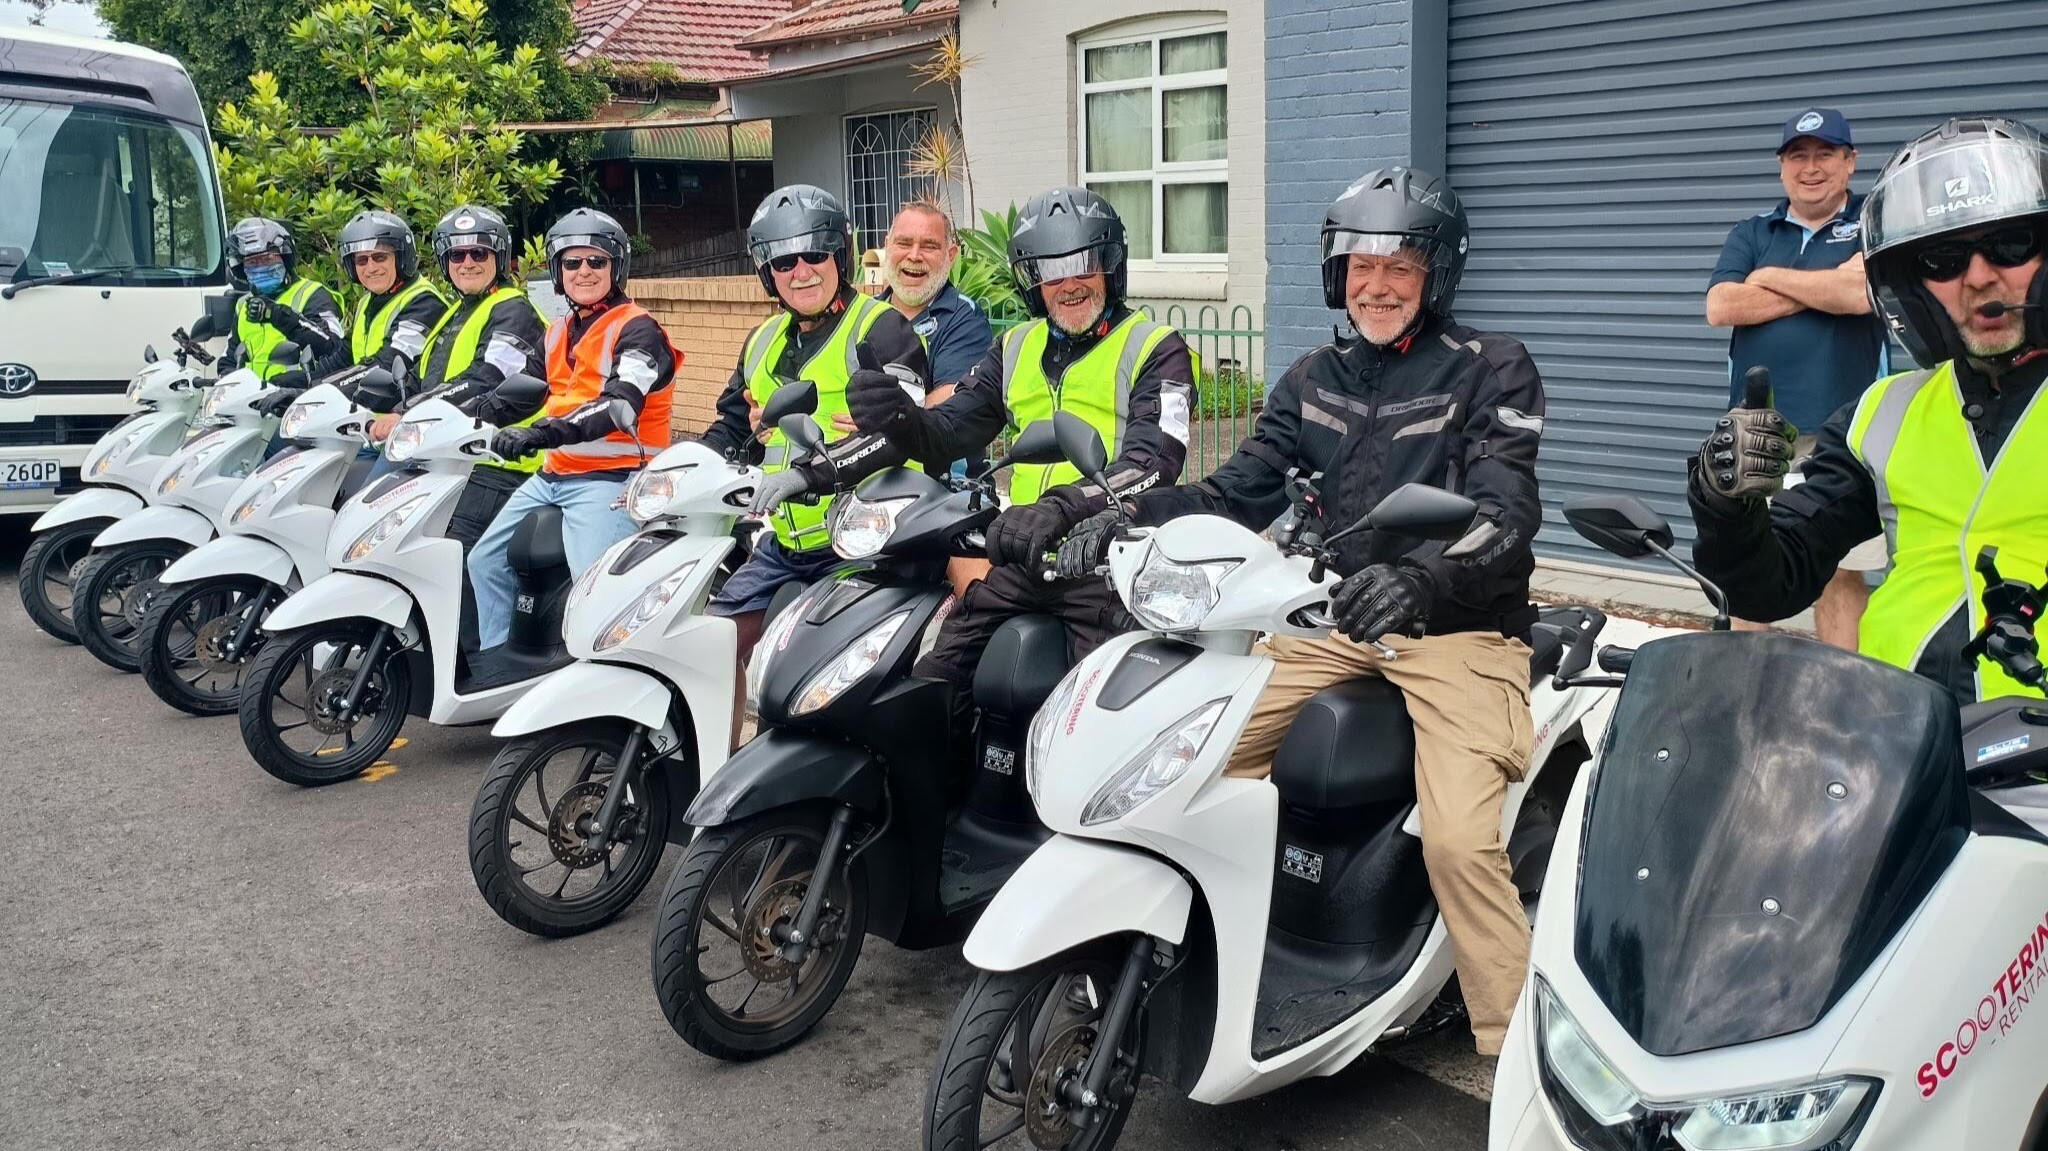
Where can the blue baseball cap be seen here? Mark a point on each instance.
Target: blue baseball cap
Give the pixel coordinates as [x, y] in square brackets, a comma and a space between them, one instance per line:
[1823, 124]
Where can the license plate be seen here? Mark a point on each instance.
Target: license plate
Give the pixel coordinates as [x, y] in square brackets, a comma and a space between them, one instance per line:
[29, 473]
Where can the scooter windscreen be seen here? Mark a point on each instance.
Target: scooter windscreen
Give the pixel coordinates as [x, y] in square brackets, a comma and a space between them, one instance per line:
[1768, 813]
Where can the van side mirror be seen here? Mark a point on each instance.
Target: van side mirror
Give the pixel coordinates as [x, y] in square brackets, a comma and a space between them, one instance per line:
[1621, 525]
[1424, 512]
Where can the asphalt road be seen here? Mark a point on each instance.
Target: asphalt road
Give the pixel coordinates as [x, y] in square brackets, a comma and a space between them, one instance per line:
[193, 954]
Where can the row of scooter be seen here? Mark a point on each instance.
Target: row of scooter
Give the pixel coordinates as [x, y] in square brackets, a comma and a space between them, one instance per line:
[1761, 881]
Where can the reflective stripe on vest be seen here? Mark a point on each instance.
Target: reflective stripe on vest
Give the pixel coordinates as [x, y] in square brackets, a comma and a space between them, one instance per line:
[798, 526]
[574, 381]
[1941, 504]
[1096, 387]
[259, 340]
[462, 352]
[366, 339]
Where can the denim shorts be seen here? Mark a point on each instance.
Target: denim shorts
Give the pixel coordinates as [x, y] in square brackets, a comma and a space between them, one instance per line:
[754, 585]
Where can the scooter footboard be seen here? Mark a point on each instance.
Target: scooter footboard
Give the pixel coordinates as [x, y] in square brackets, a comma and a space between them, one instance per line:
[231, 556]
[94, 503]
[1073, 890]
[587, 691]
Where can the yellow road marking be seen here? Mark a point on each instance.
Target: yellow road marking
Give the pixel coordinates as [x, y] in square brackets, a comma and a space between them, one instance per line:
[377, 771]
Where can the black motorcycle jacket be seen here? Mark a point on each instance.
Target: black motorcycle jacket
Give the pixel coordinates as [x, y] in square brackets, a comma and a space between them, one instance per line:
[1448, 406]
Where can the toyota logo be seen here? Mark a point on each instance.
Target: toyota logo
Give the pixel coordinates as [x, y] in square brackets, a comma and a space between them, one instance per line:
[16, 380]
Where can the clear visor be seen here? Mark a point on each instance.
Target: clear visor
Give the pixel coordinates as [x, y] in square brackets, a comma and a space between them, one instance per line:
[559, 244]
[1395, 245]
[445, 244]
[1955, 190]
[351, 247]
[766, 250]
[1086, 262]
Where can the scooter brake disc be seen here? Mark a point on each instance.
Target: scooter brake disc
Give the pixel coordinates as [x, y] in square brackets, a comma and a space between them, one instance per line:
[210, 646]
[1047, 1119]
[329, 688]
[570, 821]
[778, 904]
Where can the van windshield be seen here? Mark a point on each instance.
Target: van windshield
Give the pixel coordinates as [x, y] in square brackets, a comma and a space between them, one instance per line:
[88, 190]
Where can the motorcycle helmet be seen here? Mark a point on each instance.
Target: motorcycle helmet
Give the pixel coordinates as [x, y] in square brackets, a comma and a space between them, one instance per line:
[254, 236]
[1969, 174]
[374, 229]
[800, 218]
[1387, 210]
[1069, 232]
[475, 226]
[590, 228]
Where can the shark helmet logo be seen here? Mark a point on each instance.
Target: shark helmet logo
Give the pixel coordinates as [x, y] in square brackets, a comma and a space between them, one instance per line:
[1960, 186]
[1808, 122]
[1960, 193]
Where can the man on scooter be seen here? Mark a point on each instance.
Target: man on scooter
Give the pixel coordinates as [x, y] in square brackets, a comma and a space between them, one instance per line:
[1943, 460]
[1085, 351]
[1414, 397]
[263, 260]
[608, 349]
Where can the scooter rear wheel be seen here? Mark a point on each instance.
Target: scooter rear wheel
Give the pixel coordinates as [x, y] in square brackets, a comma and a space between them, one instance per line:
[288, 707]
[723, 907]
[528, 824]
[114, 591]
[182, 634]
[1017, 1040]
[49, 575]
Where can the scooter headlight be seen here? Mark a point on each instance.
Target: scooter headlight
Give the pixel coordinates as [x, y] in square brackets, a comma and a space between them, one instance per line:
[1171, 596]
[1155, 768]
[404, 442]
[116, 450]
[640, 611]
[385, 527]
[773, 640]
[856, 661]
[134, 386]
[190, 467]
[864, 526]
[275, 475]
[1578, 1065]
[295, 420]
[1052, 719]
[648, 495]
[210, 406]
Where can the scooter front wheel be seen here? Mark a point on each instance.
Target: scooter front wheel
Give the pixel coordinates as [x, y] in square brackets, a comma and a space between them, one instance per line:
[184, 641]
[114, 590]
[720, 968]
[290, 711]
[49, 575]
[529, 831]
[1011, 1064]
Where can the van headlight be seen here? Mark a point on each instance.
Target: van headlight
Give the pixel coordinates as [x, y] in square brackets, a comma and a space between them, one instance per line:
[386, 526]
[648, 495]
[773, 640]
[1157, 767]
[864, 526]
[641, 610]
[857, 660]
[1172, 596]
[404, 441]
[1048, 724]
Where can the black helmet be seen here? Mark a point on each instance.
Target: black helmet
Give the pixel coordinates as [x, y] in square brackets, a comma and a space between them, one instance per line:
[474, 226]
[590, 228]
[1968, 174]
[374, 229]
[1389, 209]
[1068, 232]
[800, 218]
[254, 236]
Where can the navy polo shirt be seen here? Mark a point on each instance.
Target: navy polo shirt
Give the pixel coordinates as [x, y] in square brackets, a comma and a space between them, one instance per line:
[1818, 360]
[956, 334]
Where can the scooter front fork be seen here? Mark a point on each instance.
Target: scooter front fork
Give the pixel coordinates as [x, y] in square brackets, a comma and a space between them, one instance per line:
[371, 658]
[625, 777]
[1084, 1093]
[246, 629]
[797, 943]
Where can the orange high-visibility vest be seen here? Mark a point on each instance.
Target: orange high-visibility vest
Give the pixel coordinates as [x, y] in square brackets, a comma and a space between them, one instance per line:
[575, 380]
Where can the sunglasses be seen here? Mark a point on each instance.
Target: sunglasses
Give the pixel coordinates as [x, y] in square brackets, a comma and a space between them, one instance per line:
[786, 264]
[365, 259]
[576, 263]
[483, 255]
[2005, 248]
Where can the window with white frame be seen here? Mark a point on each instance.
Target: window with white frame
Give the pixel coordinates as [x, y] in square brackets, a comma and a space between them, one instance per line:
[1154, 141]
[879, 148]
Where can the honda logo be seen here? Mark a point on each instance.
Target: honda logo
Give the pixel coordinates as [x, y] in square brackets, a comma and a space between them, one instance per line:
[16, 380]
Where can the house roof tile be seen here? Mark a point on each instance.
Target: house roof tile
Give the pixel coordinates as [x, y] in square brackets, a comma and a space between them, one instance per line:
[699, 38]
[831, 19]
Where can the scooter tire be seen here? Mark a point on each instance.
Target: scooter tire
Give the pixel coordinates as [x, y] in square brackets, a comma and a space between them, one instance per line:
[123, 573]
[275, 663]
[495, 817]
[679, 981]
[993, 1004]
[159, 663]
[52, 561]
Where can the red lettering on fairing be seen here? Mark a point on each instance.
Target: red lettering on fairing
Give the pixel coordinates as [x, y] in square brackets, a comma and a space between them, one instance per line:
[2010, 993]
[1928, 1081]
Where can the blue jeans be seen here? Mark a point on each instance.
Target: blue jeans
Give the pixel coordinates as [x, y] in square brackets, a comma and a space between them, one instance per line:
[752, 588]
[589, 525]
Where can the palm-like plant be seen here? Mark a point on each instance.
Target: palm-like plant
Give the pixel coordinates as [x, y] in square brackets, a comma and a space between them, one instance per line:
[983, 272]
[946, 66]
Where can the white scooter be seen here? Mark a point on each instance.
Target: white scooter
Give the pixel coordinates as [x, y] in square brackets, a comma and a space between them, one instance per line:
[608, 752]
[1227, 935]
[188, 506]
[1792, 910]
[350, 654]
[119, 475]
[202, 627]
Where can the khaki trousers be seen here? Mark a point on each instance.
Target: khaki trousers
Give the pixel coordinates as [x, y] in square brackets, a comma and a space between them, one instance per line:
[1468, 695]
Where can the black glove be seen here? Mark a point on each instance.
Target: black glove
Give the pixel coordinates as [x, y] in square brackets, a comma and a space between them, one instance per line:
[257, 308]
[275, 400]
[1087, 546]
[878, 403]
[1024, 533]
[1747, 454]
[1382, 598]
[518, 443]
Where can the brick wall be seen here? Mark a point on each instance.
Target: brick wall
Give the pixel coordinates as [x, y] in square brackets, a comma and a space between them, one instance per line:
[709, 319]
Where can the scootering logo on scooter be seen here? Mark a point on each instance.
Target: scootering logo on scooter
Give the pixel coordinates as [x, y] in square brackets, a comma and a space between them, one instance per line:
[1996, 1014]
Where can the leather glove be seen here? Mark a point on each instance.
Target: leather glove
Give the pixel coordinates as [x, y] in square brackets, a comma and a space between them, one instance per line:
[1747, 454]
[284, 319]
[1023, 534]
[274, 401]
[257, 308]
[518, 443]
[1087, 546]
[1380, 599]
[777, 490]
[878, 403]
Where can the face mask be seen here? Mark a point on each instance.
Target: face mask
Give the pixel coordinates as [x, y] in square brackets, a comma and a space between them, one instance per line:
[266, 279]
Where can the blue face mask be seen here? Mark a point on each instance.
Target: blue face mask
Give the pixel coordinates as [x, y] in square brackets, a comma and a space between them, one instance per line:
[266, 279]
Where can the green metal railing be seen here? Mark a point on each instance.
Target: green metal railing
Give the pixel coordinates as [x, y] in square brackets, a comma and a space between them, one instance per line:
[1233, 378]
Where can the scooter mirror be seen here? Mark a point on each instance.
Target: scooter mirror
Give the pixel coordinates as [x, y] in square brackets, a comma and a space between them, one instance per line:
[521, 392]
[1622, 525]
[1080, 443]
[1423, 511]
[286, 353]
[149, 353]
[219, 318]
[791, 398]
[202, 329]
[1038, 443]
[378, 390]
[803, 431]
[623, 416]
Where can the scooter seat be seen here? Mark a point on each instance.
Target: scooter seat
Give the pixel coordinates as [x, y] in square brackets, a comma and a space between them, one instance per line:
[537, 542]
[1023, 662]
[1351, 745]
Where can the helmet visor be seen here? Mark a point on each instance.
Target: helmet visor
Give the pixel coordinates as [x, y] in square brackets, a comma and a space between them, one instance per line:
[559, 244]
[351, 247]
[1034, 273]
[1417, 250]
[444, 244]
[822, 240]
[1955, 190]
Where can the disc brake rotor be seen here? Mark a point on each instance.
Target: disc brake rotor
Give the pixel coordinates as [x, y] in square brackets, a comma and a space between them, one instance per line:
[778, 904]
[1046, 1117]
[135, 599]
[569, 822]
[209, 646]
[324, 709]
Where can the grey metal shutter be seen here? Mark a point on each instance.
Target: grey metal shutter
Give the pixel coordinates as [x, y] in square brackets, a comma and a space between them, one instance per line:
[1605, 147]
